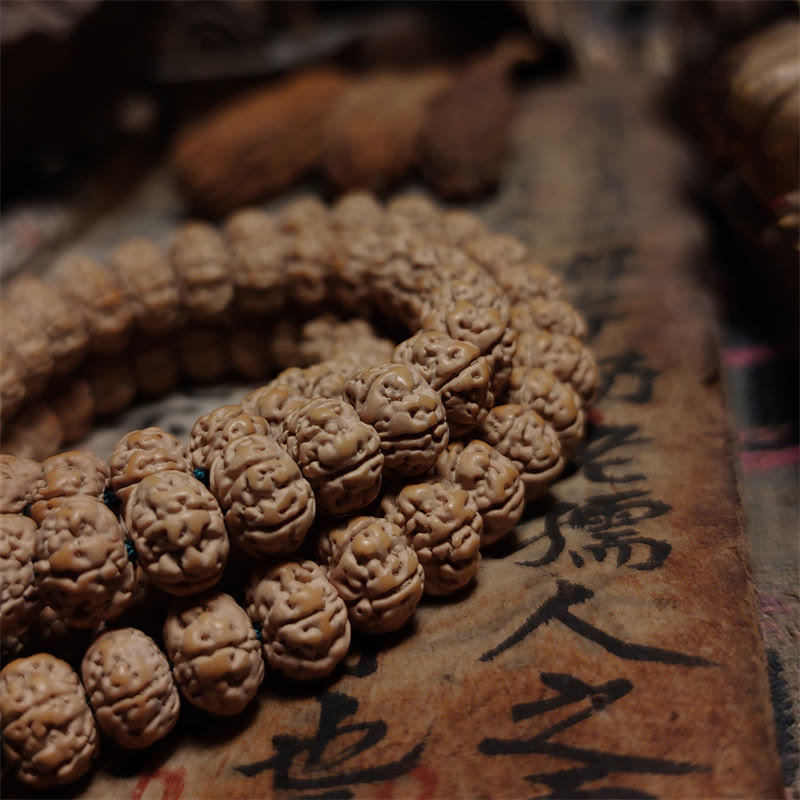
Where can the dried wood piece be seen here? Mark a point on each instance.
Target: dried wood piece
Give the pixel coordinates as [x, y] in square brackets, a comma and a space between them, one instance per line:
[465, 137]
[258, 144]
[371, 139]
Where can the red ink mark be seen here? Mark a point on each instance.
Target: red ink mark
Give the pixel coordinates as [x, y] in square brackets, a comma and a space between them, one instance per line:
[596, 416]
[763, 460]
[172, 780]
[747, 355]
[424, 775]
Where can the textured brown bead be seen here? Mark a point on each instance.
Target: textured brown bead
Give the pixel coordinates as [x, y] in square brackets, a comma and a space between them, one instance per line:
[149, 283]
[359, 255]
[556, 402]
[442, 523]
[205, 431]
[141, 453]
[356, 210]
[269, 504]
[19, 589]
[460, 227]
[215, 655]
[12, 381]
[249, 351]
[49, 734]
[68, 474]
[456, 370]
[339, 455]
[250, 225]
[155, 365]
[377, 574]
[20, 479]
[84, 572]
[178, 531]
[483, 327]
[130, 686]
[72, 401]
[306, 212]
[532, 445]
[493, 482]
[405, 411]
[307, 267]
[203, 352]
[326, 336]
[481, 291]
[35, 432]
[62, 321]
[413, 210]
[259, 272]
[30, 344]
[305, 631]
[527, 281]
[97, 292]
[496, 251]
[564, 356]
[274, 402]
[555, 315]
[203, 266]
[112, 382]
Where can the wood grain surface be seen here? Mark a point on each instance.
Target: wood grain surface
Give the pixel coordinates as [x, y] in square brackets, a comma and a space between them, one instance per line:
[611, 646]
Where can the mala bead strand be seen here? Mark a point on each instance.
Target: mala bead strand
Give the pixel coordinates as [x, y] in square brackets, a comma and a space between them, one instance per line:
[269, 505]
[12, 381]
[178, 531]
[82, 563]
[203, 352]
[215, 654]
[491, 479]
[48, 731]
[112, 383]
[73, 402]
[155, 365]
[442, 523]
[339, 455]
[377, 574]
[305, 631]
[130, 686]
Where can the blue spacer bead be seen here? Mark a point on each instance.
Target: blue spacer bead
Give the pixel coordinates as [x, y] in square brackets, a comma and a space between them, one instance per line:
[133, 556]
[201, 473]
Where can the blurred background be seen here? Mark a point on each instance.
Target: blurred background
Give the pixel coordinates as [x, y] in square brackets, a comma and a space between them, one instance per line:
[243, 100]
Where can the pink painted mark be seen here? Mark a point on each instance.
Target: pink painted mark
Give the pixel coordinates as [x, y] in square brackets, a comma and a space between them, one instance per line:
[173, 781]
[425, 776]
[747, 355]
[763, 460]
[596, 416]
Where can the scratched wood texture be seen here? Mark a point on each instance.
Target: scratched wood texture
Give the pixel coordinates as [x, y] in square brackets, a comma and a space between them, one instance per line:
[611, 647]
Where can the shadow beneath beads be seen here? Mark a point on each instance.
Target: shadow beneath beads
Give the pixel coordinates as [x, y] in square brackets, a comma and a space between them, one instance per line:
[210, 730]
[514, 541]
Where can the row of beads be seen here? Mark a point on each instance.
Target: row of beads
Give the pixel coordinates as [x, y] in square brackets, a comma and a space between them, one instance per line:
[408, 260]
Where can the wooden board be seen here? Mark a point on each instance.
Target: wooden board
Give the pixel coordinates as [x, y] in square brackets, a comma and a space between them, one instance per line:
[611, 647]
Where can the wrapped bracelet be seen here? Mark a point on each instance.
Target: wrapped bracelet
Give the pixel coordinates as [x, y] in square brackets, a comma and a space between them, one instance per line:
[366, 474]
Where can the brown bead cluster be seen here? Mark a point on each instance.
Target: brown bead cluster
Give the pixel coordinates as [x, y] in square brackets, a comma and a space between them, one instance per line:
[367, 473]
